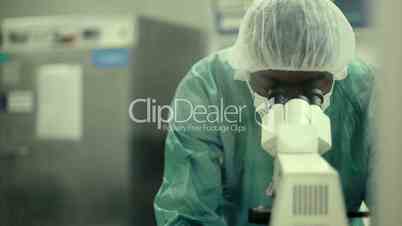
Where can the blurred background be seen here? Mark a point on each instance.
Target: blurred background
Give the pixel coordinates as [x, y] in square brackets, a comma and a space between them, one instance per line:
[69, 154]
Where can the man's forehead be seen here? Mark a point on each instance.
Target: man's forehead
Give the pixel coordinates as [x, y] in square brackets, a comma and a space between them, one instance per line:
[290, 76]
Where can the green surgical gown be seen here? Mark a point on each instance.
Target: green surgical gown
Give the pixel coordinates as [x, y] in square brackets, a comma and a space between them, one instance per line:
[215, 168]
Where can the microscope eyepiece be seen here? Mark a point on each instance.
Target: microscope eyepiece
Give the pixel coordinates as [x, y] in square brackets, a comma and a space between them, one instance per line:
[279, 95]
[303, 97]
[316, 97]
[312, 96]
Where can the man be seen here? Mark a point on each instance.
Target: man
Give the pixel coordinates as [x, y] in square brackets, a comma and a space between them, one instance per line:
[215, 172]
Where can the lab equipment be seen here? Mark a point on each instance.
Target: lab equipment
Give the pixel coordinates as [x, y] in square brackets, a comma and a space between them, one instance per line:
[17, 102]
[76, 135]
[93, 167]
[306, 188]
[214, 177]
[287, 35]
[59, 97]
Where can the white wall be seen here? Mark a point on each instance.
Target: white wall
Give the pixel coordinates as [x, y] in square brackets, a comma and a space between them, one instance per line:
[190, 12]
[365, 45]
[389, 163]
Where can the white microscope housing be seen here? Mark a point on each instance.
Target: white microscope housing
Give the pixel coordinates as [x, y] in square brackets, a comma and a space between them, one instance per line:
[307, 190]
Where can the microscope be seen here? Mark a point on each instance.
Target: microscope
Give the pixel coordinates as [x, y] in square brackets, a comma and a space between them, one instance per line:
[306, 188]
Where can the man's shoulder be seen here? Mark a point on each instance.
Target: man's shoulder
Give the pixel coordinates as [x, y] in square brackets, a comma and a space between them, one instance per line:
[359, 70]
[207, 76]
[212, 66]
[359, 84]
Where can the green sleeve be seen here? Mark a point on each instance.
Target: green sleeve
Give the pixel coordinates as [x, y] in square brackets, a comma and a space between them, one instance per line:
[191, 191]
[371, 147]
[359, 89]
[361, 93]
[369, 129]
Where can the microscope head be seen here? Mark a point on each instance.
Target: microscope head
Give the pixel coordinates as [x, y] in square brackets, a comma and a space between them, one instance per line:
[295, 124]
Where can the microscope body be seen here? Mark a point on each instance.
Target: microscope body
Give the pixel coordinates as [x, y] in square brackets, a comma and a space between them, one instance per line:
[307, 190]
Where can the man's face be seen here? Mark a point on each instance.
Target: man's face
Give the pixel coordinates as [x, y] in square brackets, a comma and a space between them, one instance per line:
[294, 83]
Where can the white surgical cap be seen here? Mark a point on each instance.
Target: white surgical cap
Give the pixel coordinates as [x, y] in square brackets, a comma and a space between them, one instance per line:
[293, 35]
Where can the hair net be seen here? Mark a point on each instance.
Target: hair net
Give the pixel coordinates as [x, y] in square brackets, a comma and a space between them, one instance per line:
[293, 35]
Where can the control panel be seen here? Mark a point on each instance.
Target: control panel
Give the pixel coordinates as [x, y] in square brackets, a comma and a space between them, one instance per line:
[55, 32]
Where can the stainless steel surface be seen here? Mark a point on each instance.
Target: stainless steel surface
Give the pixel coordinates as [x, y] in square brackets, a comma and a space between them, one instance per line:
[110, 176]
[68, 182]
[165, 54]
